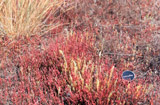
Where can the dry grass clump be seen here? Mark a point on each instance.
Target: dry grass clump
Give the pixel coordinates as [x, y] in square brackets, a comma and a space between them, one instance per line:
[26, 17]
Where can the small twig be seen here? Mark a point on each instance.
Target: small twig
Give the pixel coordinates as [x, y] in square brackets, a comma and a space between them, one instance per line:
[120, 54]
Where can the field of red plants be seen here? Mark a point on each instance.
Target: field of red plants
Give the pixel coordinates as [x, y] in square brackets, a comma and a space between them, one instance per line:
[73, 52]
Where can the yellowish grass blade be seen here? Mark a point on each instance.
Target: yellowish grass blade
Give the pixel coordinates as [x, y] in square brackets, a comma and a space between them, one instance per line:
[65, 62]
[110, 76]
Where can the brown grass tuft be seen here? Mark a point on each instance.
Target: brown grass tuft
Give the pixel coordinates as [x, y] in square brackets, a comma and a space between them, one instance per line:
[26, 17]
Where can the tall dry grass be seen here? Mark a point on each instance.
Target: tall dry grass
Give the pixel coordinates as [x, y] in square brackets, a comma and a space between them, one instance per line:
[26, 17]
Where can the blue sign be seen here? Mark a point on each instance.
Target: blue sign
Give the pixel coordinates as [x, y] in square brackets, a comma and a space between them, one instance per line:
[128, 75]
